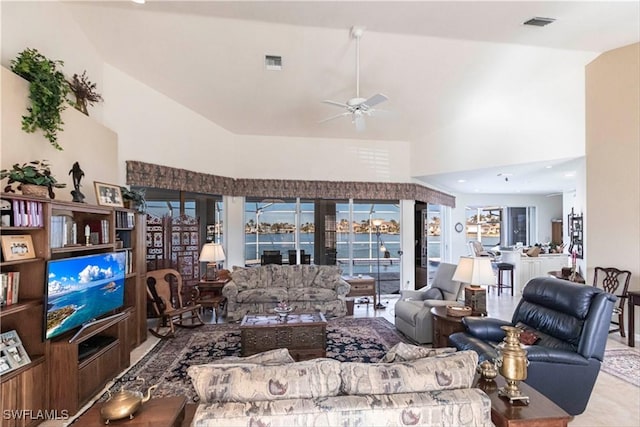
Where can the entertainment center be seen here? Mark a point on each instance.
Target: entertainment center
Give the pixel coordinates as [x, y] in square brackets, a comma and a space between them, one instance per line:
[77, 359]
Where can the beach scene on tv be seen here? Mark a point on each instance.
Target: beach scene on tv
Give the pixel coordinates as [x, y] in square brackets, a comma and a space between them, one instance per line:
[83, 288]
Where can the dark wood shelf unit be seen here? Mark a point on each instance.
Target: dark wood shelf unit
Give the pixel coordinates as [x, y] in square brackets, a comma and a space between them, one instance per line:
[55, 378]
[77, 380]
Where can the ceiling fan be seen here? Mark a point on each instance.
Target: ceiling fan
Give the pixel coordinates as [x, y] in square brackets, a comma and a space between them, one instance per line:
[357, 107]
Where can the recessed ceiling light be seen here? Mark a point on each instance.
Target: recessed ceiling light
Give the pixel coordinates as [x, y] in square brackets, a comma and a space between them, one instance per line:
[548, 167]
[569, 174]
[462, 180]
[138, 1]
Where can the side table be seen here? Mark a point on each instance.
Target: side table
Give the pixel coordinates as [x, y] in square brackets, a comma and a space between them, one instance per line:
[540, 412]
[634, 299]
[444, 325]
[161, 412]
[209, 295]
[362, 286]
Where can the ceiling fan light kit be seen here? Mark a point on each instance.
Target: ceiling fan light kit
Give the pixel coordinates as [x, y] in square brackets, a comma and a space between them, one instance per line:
[357, 107]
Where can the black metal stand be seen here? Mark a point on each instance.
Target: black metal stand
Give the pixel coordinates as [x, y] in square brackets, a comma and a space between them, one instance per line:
[379, 305]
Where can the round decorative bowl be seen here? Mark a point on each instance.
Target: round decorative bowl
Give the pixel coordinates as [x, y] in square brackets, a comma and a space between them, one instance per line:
[458, 311]
[283, 312]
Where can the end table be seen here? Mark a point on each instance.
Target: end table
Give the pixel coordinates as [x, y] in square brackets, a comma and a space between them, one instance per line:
[444, 325]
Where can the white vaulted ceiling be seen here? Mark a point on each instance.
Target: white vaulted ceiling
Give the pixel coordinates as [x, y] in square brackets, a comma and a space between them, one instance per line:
[428, 57]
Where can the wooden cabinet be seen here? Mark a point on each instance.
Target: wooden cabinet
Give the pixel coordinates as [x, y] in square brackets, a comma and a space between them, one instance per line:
[57, 377]
[85, 363]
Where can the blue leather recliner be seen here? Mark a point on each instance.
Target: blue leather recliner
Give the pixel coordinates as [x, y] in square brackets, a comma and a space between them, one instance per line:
[571, 322]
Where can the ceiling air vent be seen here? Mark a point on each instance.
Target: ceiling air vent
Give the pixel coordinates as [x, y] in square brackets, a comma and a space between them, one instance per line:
[539, 22]
[273, 62]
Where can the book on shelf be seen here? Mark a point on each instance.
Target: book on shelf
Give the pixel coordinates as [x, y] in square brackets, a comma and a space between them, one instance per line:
[128, 261]
[99, 231]
[10, 282]
[64, 231]
[125, 219]
[12, 352]
[22, 213]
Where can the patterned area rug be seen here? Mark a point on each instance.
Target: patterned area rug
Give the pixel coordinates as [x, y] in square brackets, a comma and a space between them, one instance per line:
[348, 339]
[623, 363]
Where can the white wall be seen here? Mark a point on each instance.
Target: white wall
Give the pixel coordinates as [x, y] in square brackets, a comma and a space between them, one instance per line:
[541, 119]
[547, 208]
[84, 141]
[612, 227]
[49, 27]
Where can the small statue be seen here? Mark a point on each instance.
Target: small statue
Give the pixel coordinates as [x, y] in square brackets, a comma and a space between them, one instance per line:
[77, 174]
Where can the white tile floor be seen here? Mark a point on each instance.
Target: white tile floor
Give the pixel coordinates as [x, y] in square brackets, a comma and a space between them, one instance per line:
[613, 402]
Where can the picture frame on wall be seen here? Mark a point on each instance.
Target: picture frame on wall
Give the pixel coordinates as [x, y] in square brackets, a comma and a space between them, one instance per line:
[17, 247]
[108, 194]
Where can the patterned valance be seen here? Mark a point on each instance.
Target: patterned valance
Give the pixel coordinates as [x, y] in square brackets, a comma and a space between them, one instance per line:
[158, 176]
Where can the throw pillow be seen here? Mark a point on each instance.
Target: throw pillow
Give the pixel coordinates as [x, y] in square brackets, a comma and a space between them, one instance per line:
[402, 352]
[443, 372]
[432, 293]
[247, 382]
[528, 337]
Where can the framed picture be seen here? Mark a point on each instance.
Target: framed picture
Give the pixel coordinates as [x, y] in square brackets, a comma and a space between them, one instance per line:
[108, 194]
[17, 247]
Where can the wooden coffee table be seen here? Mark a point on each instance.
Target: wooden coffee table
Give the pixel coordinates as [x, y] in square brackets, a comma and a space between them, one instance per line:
[304, 334]
[161, 412]
[540, 412]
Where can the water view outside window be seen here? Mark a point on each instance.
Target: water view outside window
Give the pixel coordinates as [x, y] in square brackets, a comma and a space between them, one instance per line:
[484, 225]
[434, 234]
[277, 225]
[358, 247]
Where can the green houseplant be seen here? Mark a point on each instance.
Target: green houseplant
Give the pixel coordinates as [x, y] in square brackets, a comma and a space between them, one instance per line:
[136, 198]
[48, 91]
[35, 173]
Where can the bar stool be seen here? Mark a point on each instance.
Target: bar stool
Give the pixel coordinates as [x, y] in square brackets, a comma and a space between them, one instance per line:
[505, 267]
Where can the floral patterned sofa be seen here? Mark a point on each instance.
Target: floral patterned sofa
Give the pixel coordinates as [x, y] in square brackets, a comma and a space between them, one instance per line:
[270, 389]
[305, 287]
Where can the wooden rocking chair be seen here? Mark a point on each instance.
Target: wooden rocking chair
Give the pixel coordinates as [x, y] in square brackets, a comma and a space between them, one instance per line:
[169, 306]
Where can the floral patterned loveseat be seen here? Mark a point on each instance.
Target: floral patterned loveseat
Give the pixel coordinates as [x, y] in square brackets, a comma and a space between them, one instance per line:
[270, 389]
[257, 290]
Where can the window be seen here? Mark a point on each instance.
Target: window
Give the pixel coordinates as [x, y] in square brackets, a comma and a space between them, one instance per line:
[272, 224]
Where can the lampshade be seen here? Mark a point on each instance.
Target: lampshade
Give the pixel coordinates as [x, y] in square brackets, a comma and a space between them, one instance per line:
[475, 271]
[212, 252]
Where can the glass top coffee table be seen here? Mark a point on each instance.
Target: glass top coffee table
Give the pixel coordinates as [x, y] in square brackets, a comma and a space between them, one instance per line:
[303, 334]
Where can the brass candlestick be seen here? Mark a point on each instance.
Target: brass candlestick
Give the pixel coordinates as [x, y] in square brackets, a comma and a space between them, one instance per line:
[512, 363]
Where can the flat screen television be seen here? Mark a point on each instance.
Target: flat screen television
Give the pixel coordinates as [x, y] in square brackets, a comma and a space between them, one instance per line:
[81, 289]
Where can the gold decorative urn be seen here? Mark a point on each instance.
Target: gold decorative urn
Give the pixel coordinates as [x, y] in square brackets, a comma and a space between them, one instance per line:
[124, 403]
[512, 364]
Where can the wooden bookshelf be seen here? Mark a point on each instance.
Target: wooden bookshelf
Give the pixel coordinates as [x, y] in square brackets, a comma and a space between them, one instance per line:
[54, 379]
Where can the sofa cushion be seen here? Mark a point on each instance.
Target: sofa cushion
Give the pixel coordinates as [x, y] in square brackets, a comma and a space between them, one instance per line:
[262, 295]
[328, 277]
[248, 278]
[311, 294]
[248, 382]
[444, 372]
[402, 352]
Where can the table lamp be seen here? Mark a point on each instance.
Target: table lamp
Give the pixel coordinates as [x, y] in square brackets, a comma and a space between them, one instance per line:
[212, 254]
[475, 271]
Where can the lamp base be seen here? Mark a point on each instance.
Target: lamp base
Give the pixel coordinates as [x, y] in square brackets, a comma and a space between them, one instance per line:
[476, 298]
[212, 272]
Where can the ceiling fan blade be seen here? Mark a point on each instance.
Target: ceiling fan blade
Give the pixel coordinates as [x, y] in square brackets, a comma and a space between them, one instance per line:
[358, 120]
[339, 104]
[346, 113]
[375, 100]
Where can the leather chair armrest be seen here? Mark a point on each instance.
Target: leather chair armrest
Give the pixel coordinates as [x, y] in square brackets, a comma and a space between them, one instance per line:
[538, 353]
[485, 328]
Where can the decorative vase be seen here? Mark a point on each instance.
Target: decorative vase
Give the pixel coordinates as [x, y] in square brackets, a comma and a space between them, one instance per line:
[34, 190]
[512, 363]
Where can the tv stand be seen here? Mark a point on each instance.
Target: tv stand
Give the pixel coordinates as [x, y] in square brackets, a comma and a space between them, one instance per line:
[89, 360]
